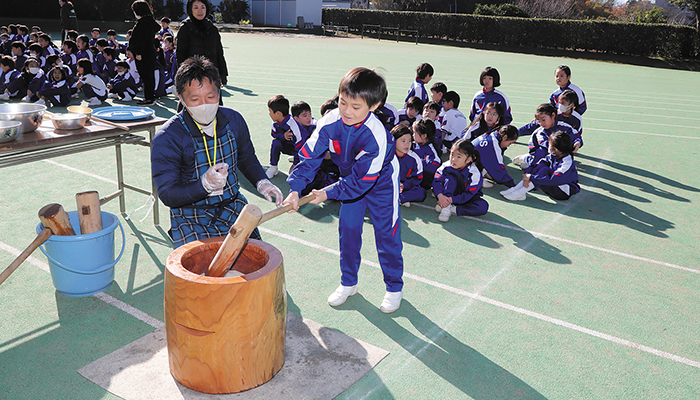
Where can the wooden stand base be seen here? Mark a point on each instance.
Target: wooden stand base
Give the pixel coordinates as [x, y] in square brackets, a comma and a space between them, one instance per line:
[225, 335]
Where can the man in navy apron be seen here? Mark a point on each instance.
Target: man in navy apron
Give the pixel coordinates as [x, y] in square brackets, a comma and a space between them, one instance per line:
[196, 157]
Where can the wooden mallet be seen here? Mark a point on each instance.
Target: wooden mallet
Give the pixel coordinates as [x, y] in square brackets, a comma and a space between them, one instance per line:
[55, 221]
[249, 218]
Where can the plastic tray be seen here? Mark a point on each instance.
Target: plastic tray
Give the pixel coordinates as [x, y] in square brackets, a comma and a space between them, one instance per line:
[124, 113]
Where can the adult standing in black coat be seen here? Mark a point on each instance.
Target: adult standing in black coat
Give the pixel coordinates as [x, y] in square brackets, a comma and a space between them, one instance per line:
[141, 45]
[199, 36]
[68, 18]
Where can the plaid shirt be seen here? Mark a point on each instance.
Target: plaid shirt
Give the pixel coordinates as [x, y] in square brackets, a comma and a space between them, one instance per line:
[178, 161]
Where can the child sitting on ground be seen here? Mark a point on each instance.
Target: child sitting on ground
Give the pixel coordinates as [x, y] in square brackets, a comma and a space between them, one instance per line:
[95, 33]
[490, 147]
[490, 79]
[410, 167]
[562, 76]
[555, 174]
[30, 81]
[365, 153]
[109, 68]
[437, 91]
[566, 112]
[453, 122]
[431, 110]
[165, 24]
[286, 132]
[92, 85]
[18, 56]
[487, 121]
[8, 74]
[544, 125]
[122, 86]
[414, 107]
[457, 183]
[56, 90]
[424, 73]
[423, 145]
[83, 44]
[301, 112]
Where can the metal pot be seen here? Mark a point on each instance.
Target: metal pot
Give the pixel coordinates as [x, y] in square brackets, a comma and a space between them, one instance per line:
[30, 115]
[68, 121]
[9, 130]
[80, 110]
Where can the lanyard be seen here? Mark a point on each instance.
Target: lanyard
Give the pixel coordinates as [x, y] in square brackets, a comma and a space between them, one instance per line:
[206, 148]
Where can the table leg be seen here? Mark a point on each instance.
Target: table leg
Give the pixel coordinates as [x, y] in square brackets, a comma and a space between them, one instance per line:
[120, 178]
[154, 190]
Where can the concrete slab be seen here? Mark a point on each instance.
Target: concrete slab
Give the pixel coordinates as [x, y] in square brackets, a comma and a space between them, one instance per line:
[320, 363]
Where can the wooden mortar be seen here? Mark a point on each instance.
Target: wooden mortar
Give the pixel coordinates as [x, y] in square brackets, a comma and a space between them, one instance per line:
[225, 335]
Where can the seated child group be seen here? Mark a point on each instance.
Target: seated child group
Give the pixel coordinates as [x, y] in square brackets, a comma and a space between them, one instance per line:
[431, 124]
[35, 70]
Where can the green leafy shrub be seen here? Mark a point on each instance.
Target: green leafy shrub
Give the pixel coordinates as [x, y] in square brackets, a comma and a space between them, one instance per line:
[679, 42]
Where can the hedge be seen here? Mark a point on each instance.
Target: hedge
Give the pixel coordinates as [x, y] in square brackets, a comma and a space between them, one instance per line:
[651, 40]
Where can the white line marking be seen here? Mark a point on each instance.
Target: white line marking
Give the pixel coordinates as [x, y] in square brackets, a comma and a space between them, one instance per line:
[80, 171]
[589, 246]
[133, 311]
[506, 306]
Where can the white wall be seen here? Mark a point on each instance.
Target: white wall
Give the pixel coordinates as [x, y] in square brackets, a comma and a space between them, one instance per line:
[310, 10]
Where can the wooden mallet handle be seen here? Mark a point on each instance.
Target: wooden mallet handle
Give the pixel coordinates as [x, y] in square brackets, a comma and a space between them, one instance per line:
[53, 216]
[249, 218]
[41, 238]
[237, 237]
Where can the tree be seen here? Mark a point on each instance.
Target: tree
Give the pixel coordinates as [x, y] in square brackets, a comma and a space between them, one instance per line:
[692, 5]
[501, 10]
[232, 11]
[558, 9]
[654, 16]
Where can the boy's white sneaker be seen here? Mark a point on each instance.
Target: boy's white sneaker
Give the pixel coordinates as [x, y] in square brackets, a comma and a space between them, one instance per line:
[170, 90]
[5, 97]
[406, 204]
[445, 214]
[271, 171]
[520, 161]
[391, 302]
[487, 184]
[341, 294]
[438, 208]
[127, 97]
[112, 96]
[25, 99]
[94, 102]
[40, 101]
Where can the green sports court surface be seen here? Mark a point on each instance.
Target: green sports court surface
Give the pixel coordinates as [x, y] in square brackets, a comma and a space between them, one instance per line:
[592, 298]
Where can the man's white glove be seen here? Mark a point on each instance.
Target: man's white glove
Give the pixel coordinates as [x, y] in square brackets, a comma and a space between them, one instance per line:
[267, 189]
[215, 178]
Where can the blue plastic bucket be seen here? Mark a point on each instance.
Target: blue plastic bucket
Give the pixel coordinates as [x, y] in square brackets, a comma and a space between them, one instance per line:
[83, 265]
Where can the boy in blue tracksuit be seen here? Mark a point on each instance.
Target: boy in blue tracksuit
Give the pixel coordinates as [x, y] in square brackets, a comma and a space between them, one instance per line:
[410, 167]
[555, 174]
[490, 147]
[544, 125]
[365, 153]
[424, 73]
[286, 132]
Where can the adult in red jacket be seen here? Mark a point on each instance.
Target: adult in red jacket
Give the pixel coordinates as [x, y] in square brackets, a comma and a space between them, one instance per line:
[198, 36]
[141, 45]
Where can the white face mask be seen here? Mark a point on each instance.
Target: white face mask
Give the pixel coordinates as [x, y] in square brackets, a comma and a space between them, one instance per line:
[204, 114]
[33, 70]
[32, 54]
[563, 108]
[121, 73]
[60, 64]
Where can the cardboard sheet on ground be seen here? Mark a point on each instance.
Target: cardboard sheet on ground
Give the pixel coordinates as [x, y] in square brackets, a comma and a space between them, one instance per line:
[320, 363]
